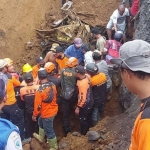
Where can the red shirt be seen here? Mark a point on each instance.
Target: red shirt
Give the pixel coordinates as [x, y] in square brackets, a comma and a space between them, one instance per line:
[135, 7]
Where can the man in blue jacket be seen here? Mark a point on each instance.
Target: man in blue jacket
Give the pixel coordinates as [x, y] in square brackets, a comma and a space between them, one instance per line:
[9, 137]
[75, 50]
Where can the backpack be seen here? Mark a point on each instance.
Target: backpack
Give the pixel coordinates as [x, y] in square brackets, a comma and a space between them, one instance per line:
[67, 89]
[89, 95]
[146, 105]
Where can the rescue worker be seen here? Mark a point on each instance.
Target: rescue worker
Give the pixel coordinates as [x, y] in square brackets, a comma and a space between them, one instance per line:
[103, 68]
[75, 50]
[118, 21]
[61, 58]
[10, 68]
[28, 69]
[45, 105]
[87, 53]
[9, 133]
[112, 47]
[27, 95]
[50, 55]
[101, 41]
[134, 66]
[40, 64]
[68, 91]
[85, 100]
[99, 88]
[11, 110]
[51, 70]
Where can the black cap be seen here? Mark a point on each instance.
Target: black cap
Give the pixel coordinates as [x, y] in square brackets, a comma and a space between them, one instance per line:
[28, 77]
[80, 69]
[95, 30]
[58, 49]
[39, 59]
[85, 46]
[42, 73]
[92, 68]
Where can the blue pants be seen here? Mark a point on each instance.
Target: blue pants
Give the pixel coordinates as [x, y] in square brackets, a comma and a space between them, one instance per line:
[14, 114]
[47, 125]
[96, 113]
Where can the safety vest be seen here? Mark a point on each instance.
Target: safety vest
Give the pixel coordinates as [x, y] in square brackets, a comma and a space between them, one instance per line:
[6, 128]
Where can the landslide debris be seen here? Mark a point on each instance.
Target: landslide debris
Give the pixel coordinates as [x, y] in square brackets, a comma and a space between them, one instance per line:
[83, 13]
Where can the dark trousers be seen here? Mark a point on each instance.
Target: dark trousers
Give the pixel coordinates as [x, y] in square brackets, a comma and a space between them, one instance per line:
[66, 109]
[64, 1]
[31, 125]
[85, 115]
[14, 114]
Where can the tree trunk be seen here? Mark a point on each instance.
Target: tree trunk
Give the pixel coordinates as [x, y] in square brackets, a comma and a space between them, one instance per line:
[143, 22]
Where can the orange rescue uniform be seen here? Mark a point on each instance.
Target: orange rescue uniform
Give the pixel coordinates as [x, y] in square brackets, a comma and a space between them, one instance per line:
[98, 79]
[140, 139]
[47, 110]
[12, 82]
[62, 62]
[83, 86]
[35, 71]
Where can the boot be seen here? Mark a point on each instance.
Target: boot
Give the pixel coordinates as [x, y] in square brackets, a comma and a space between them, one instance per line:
[40, 136]
[66, 131]
[52, 143]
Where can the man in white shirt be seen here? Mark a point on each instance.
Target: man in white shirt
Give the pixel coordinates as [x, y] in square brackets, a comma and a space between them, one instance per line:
[9, 133]
[118, 21]
[87, 53]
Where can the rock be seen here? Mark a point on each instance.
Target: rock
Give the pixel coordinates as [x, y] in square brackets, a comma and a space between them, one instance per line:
[103, 137]
[111, 145]
[126, 97]
[108, 148]
[26, 147]
[93, 135]
[62, 145]
[75, 133]
[101, 147]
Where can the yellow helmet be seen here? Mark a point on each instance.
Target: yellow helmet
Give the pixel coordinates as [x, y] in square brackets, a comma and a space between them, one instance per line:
[49, 66]
[8, 61]
[26, 68]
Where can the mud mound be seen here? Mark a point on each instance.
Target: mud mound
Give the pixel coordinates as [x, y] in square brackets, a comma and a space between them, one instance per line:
[115, 133]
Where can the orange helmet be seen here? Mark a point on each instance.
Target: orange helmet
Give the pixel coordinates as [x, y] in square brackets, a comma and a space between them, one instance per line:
[49, 66]
[8, 61]
[72, 62]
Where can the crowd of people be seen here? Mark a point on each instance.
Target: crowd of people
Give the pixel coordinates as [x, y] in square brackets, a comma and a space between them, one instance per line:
[66, 79]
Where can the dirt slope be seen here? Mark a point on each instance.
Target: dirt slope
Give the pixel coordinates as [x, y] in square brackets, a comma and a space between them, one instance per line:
[17, 22]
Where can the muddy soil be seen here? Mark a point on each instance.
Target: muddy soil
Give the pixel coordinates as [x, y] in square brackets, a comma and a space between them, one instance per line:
[17, 23]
